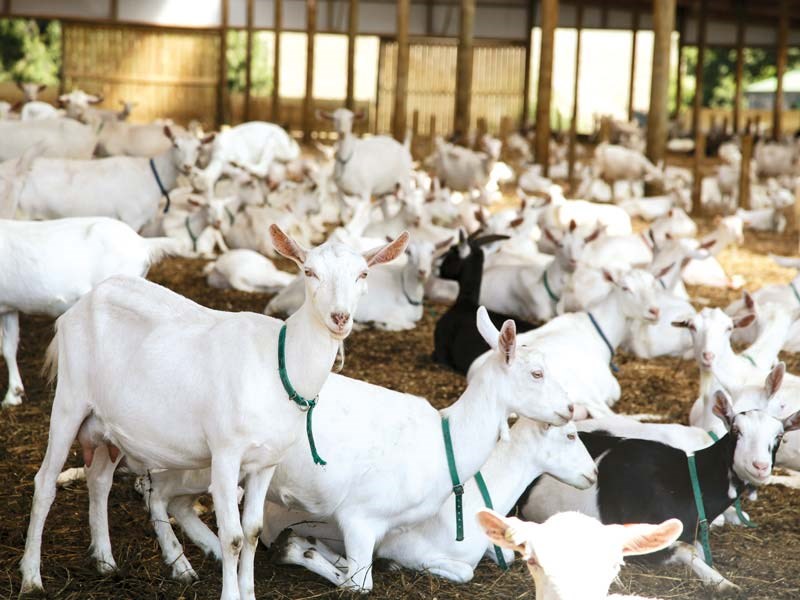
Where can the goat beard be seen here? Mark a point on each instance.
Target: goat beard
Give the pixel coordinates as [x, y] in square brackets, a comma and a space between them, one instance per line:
[340, 356]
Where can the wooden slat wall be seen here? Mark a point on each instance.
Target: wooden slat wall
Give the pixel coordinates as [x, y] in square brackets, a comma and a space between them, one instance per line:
[497, 84]
[170, 73]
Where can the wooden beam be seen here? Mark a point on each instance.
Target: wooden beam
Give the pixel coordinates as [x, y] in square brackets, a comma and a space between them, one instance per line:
[113, 11]
[697, 174]
[464, 58]
[308, 101]
[697, 105]
[530, 9]
[248, 59]
[783, 44]
[276, 66]
[352, 34]
[679, 67]
[573, 125]
[632, 81]
[657, 119]
[739, 75]
[222, 82]
[549, 19]
[401, 80]
[744, 171]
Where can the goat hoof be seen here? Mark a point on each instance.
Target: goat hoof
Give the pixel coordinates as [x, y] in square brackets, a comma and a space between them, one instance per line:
[104, 567]
[726, 588]
[31, 586]
[14, 397]
[185, 576]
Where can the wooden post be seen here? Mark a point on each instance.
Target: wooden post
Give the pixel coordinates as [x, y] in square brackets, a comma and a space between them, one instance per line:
[663, 24]
[461, 119]
[6, 7]
[276, 67]
[679, 67]
[744, 171]
[631, 85]
[737, 97]
[429, 17]
[697, 106]
[401, 81]
[549, 19]
[222, 69]
[482, 128]
[308, 101]
[530, 8]
[113, 12]
[783, 43]
[352, 33]
[697, 173]
[573, 124]
[432, 135]
[248, 60]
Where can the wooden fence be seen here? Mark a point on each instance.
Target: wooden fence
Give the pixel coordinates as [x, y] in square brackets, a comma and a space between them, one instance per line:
[497, 84]
[170, 73]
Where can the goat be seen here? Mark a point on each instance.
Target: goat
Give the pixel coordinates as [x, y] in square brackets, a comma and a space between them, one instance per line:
[642, 480]
[456, 339]
[58, 138]
[574, 557]
[246, 271]
[226, 430]
[200, 228]
[590, 338]
[45, 267]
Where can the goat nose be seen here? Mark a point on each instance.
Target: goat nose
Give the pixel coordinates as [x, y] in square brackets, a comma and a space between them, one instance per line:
[708, 356]
[571, 408]
[340, 318]
[654, 311]
[760, 466]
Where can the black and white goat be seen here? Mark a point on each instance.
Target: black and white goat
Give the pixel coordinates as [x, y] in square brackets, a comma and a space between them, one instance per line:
[646, 481]
[457, 341]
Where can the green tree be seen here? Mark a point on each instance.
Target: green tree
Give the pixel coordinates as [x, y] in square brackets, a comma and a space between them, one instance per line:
[261, 68]
[30, 50]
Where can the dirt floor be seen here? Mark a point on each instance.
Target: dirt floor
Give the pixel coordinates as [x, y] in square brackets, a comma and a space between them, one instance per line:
[763, 561]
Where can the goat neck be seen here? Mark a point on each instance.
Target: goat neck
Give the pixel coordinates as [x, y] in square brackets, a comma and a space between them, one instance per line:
[477, 417]
[310, 351]
[764, 350]
[716, 476]
[344, 148]
[167, 170]
[609, 316]
[469, 284]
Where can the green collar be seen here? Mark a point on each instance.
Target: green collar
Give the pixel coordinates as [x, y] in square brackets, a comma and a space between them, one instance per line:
[487, 500]
[611, 364]
[794, 289]
[701, 510]
[458, 487]
[749, 359]
[304, 403]
[192, 236]
[550, 293]
[738, 504]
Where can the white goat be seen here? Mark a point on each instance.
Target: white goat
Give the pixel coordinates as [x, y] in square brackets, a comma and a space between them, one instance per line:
[246, 271]
[572, 556]
[200, 227]
[58, 138]
[614, 163]
[45, 267]
[146, 420]
[35, 109]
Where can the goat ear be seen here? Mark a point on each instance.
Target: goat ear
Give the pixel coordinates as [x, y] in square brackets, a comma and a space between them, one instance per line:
[442, 246]
[507, 341]
[643, 538]
[42, 87]
[609, 276]
[286, 246]
[744, 321]
[686, 323]
[664, 271]
[387, 253]
[96, 99]
[595, 234]
[723, 408]
[549, 235]
[516, 222]
[359, 115]
[572, 225]
[208, 139]
[486, 328]
[774, 380]
[504, 531]
[792, 422]
[489, 239]
[169, 134]
[748, 301]
[707, 245]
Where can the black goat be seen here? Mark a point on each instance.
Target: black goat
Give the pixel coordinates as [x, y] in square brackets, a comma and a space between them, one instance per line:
[457, 341]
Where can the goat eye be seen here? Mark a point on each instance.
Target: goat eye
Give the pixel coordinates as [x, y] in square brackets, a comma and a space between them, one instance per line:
[310, 273]
[571, 436]
[538, 374]
[362, 275]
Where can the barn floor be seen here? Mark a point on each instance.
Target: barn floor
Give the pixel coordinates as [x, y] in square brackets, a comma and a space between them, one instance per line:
[763, 561]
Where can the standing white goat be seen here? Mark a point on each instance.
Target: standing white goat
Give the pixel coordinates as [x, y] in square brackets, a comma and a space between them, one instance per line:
[130, 380]
[45, 267]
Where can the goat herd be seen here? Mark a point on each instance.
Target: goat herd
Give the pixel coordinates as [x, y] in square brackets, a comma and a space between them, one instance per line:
[337, 471]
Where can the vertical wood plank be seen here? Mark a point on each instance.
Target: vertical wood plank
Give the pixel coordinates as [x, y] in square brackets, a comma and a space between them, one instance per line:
[464, 67]
[308, 101]
[549, 19]
[663, 24]
[352, 34]
[276, 65]
[401, 81]
[573, 126]
[248, 59]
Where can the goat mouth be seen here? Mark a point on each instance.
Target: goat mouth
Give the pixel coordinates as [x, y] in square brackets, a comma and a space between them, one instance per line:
[564, 419]
[339, 333]
[756, 479]
[590, 480]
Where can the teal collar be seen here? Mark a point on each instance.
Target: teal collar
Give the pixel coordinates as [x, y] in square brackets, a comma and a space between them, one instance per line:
[701, 510]
[458, 487]
[794, 289]
[192, 236]
[738, 504]
[750, 360]
[303, 403]
[550, 293]
[487, 501]
[611, 364]
[161, 187]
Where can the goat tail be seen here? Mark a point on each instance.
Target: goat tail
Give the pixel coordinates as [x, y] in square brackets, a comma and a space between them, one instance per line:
[160, 247]
[50, 367]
